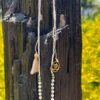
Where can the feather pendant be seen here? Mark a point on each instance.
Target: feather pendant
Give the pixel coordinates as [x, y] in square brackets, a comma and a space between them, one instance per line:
[35, 65]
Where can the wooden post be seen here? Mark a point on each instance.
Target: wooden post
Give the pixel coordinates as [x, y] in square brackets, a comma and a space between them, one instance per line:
[19, 43]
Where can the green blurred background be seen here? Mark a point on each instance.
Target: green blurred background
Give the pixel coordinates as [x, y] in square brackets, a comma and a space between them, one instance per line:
[90, 55]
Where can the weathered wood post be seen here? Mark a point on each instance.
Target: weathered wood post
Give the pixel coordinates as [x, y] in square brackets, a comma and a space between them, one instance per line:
[19, 42]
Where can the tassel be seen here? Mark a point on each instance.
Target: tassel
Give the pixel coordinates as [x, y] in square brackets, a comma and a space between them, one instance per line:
[35, 65]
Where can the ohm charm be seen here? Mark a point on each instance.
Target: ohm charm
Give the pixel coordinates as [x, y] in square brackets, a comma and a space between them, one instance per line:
[55, 66]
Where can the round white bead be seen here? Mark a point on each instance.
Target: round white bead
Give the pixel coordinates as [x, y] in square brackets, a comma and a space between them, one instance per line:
[39, 82]
[52, 91]
[52, 80]
[52, 95]
[40, 97]
[52, 88]
[40, 94]
[52, 98]
[39, 86]
[52, 84]
[39, 90]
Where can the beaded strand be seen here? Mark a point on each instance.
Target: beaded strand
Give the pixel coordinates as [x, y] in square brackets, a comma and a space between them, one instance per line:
[52, 86]
[39, 88]
[39, 75]
[54, 35]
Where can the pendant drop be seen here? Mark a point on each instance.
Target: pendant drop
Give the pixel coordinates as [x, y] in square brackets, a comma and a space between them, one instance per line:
[55, 66]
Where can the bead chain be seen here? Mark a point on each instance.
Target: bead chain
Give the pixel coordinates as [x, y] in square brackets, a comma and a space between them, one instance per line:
[54, 51]
[39, 75]
[39, 87]
[52, 86]
[54, 45]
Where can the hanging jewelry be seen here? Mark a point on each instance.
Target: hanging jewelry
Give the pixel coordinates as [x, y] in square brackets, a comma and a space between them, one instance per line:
[39, 75]
[55, 66]
[36, 63]
[52, 86]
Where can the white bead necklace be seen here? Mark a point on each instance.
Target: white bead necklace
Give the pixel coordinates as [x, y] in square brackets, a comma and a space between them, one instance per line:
[39, 88]
[52, 86]
[39, 75]
[53, 54]
[54, 35]
[54, 64]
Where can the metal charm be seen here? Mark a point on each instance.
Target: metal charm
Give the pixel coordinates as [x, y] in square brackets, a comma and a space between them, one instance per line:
[55, 66]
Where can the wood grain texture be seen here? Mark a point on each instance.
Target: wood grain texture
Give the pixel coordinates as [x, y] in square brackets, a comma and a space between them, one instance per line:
[19, 41]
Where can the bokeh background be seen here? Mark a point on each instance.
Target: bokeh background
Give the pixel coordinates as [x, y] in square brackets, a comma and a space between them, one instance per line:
[90, 10]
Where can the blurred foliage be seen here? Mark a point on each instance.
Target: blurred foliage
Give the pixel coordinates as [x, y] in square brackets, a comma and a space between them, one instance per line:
[88, 3]
[90, 8]
[90, 56]
[91, 59]
[2, 85]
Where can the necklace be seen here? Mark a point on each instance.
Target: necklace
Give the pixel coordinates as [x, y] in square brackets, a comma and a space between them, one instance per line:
[55, 66]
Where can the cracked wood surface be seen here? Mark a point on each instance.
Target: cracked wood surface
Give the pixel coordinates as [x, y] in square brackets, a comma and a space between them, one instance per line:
[20, 40]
